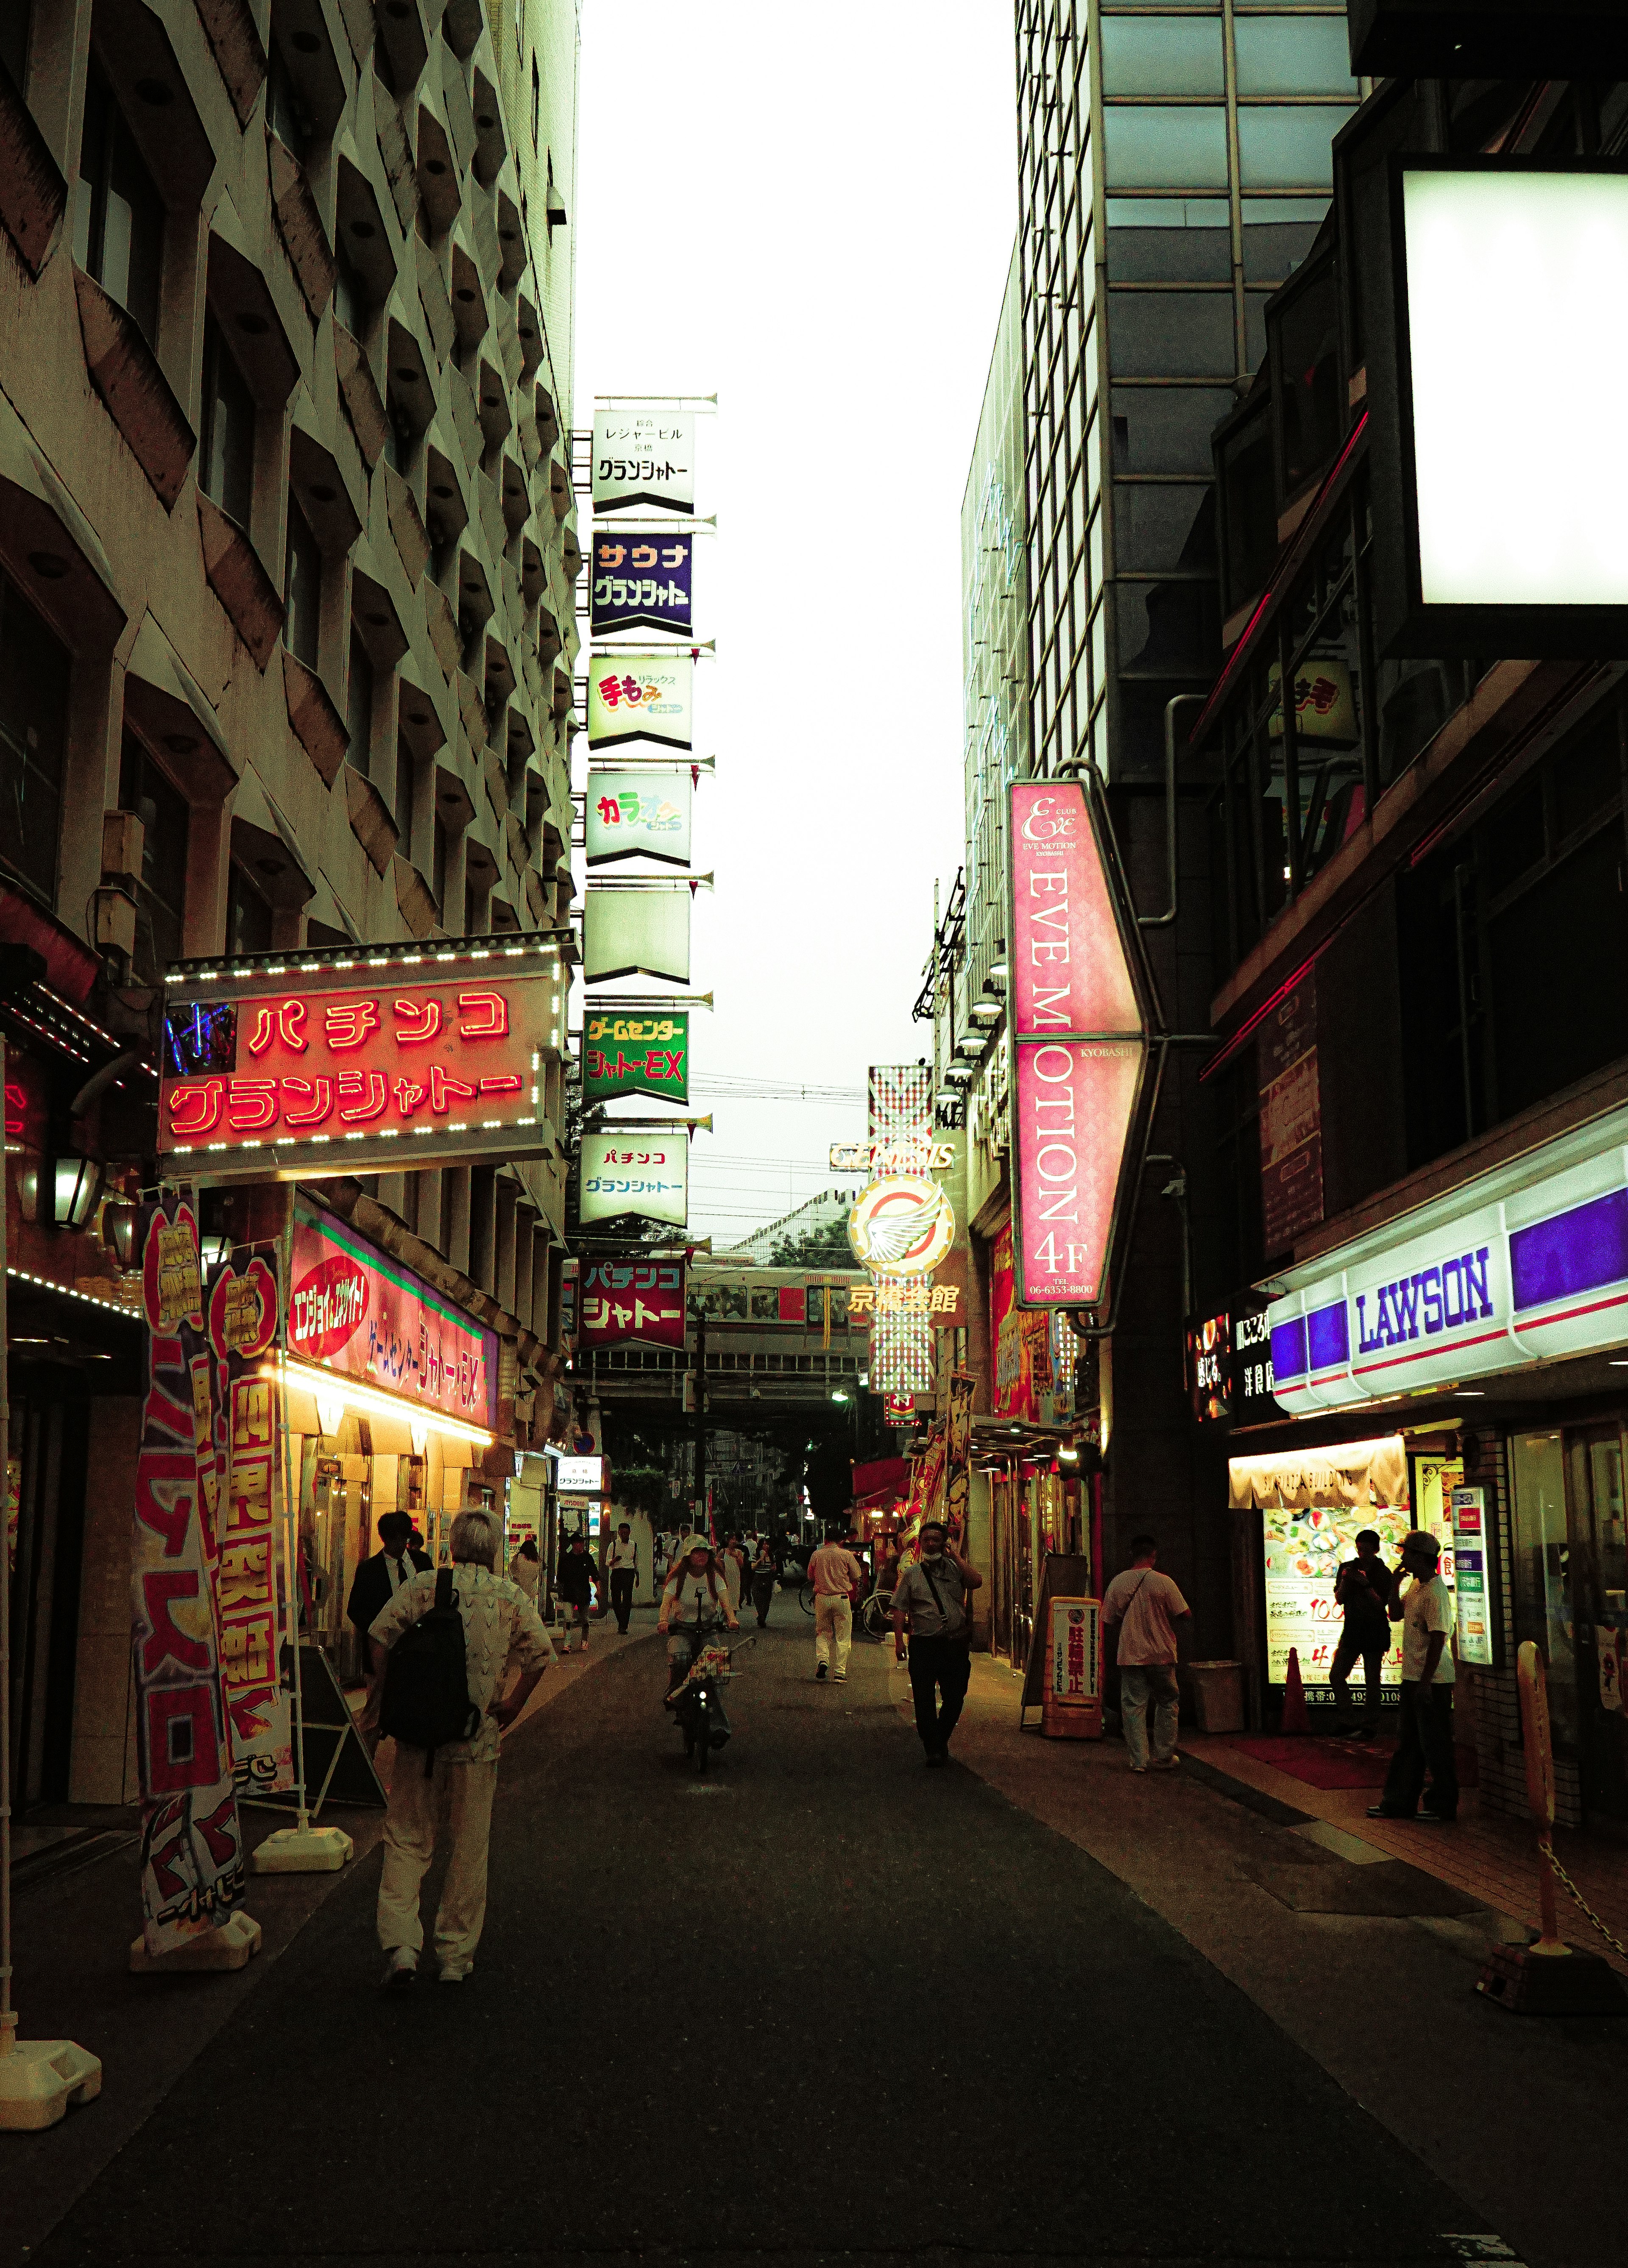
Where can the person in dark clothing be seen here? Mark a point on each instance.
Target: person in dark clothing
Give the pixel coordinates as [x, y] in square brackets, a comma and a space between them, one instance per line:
[1363, 1588]
[621, 1565]
[763, 1582]
[1425, 1610]
[929, 1600]
[574, 1586]
[376, 1583]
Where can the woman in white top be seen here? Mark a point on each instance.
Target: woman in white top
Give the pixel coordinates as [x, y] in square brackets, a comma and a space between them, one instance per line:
[696, 1593]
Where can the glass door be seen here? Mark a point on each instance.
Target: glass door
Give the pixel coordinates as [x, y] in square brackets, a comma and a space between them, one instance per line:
[1599, 1585]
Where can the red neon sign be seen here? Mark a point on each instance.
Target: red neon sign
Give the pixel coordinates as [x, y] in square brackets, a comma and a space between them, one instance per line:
[262, 1078]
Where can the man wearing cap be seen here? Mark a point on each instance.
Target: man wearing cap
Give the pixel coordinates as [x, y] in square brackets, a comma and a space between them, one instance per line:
[1425, 1610]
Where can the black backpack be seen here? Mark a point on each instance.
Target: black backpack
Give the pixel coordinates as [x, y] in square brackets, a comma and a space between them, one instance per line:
[426, 1697]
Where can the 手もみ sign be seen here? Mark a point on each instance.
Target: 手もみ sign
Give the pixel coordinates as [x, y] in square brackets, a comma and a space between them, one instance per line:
[641, 696]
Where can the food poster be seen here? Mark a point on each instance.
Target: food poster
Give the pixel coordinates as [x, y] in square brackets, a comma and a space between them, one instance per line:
[1305, 1548]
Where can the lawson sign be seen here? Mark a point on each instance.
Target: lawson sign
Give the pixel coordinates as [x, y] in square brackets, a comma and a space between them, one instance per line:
[1526, 1264]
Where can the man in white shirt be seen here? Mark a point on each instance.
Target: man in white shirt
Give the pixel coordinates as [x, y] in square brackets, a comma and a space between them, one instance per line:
[836, 1575]
[621, 1560]
[502, 1632]
[1426, 1739]
[1146, 1607]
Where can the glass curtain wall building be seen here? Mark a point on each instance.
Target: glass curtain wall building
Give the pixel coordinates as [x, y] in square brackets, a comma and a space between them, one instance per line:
[1174, 167]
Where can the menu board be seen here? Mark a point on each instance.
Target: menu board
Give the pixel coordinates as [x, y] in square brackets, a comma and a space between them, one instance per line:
[1474, 1638]
[1305, 1548]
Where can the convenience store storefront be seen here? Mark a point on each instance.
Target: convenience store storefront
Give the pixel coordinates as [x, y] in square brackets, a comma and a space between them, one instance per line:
[1487, 1330]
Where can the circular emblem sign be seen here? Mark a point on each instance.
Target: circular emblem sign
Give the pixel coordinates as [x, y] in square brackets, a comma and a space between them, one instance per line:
[903, 1227]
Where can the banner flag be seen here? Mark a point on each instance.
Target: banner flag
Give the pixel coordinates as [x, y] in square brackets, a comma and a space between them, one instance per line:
[641, 583]
[242, 1308]
[637, 1299]
[643, 814]
[633, 932]
[644, 453]
[958, 1454]
[191, 1857]
[641, 696]
[644, 1174]
[624, 1055]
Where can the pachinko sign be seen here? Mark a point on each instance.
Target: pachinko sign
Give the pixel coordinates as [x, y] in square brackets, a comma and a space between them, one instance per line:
[191, 1857]
[628, 1172]
[350, 1061]
[354, 1310]
[1079, 1041]
[639, 1299]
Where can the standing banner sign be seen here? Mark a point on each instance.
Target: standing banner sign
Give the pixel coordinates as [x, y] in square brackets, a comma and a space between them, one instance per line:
[624, 1053]
[243, 1297]
[1072, 1707]
[957, 1453]
[638, 814]
[1080, 1040]
[192, 1858]
[640, 582]
[644, 453]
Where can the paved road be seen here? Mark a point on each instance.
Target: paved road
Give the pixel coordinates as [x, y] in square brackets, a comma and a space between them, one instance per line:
[825, 2006]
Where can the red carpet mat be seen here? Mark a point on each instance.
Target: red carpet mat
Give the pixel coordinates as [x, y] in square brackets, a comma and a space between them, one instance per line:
[1320, 1763]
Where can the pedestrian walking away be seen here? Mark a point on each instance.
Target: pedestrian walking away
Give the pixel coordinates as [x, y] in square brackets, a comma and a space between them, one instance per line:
[732, 1566]
[622, 1561]
[1363, 1589]
[575, 1583]
[764, 1579]
[526, 1568]
[1425, 1741]
[376, 1582]
[502, 1636]
[930, 1605]
[1146, 1607]
[836, 1575]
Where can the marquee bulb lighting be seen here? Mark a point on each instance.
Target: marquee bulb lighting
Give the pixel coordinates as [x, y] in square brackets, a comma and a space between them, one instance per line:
[332, 1385]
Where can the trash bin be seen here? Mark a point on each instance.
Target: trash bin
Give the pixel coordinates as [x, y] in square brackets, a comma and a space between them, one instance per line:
[1218, 1696]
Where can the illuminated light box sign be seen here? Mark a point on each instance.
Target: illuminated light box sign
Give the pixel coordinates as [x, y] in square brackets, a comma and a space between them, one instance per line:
[902, 1227]
[644, 453]
[355, 1311]
[1080, 1044]
[1500, 452]
[579, 1476]
[1528, 1263]
[633, 1299]
[635, 1173]
[638, 814]
[641, 696]
[628, 1054]
[632, 932]
[355, 1062]
[640, 582]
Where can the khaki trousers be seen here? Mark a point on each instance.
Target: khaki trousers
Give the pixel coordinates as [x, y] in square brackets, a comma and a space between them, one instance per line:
[833, 1629]
[416, 1803]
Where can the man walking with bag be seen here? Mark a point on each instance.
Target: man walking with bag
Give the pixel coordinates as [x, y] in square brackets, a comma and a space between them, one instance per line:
[444, 1711]
[930, 1601]
[1147, 1606]
[835, 1573]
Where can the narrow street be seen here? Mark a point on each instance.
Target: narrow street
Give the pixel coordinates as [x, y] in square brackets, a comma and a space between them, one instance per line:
[826, 2004]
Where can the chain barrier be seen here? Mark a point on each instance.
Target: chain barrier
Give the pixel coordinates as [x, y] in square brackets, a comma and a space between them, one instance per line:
[1587, 1911]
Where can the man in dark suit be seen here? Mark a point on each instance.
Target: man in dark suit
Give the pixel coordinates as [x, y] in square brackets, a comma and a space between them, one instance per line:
[378, 1581]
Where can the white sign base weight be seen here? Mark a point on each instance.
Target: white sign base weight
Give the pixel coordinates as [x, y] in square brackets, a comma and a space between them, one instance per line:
[302, 1850]
[229, 1946]
[39, 2079]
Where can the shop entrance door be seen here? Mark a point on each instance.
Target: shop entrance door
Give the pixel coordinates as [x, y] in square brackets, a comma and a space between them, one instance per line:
[1599, 1603]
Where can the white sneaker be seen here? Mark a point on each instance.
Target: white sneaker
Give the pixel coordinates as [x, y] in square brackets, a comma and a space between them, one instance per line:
[842, 1677]
[401, 1971]
[455, 1972]
[1165, 1763]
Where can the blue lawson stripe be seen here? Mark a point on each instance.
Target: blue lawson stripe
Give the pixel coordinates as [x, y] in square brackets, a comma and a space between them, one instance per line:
[1576, 1251]
[1289, 1351]
[1328, 1336]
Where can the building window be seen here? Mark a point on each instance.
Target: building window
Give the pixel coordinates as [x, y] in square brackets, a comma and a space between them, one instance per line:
[404, 797]
[321, 934]
[438, 879]
[248, 917]
[358, 705]
[536, 106]
[118, 222]
[302, 589]
[226, 459]
[161, 886]
[1159, 146]
[349, 300]
[33, 737]
[1155, 55]
[285, 113]
[1285, 148]
[15, 25]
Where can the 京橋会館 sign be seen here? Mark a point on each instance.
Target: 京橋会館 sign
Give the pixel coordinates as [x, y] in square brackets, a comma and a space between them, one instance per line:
[356, 1061]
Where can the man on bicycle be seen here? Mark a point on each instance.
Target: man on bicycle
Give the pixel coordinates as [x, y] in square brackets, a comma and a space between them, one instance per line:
[696, 1599]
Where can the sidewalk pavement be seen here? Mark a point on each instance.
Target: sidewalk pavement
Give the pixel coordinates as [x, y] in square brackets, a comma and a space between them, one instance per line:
[1356, 1938]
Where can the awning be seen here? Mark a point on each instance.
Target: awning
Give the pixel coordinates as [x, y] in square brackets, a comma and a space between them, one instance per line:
[165, 702]
[51, 546]
[1353, 1473]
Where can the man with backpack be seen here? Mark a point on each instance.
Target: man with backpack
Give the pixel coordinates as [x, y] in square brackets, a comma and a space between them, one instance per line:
[445, 1647]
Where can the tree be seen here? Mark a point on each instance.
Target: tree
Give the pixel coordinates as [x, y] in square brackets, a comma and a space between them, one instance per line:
[823, 1249]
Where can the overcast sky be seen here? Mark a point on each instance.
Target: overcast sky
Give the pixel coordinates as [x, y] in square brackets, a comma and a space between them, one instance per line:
[808, 212]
